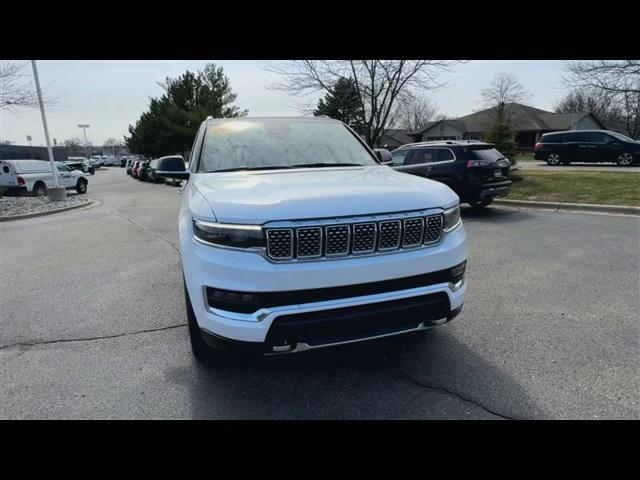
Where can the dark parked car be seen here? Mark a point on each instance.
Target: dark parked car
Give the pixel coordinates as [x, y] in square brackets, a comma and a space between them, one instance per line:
[152, 176]
[476, 171]
[143, 168]
[562, 148]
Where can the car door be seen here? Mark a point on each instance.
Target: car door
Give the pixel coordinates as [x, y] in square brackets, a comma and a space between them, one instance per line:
[64, 176]
[417, 161]
[581, 148]
[600, 150]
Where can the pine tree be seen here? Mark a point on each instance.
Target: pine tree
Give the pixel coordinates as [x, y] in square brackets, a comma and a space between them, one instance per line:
[172, 121]
[342, 103]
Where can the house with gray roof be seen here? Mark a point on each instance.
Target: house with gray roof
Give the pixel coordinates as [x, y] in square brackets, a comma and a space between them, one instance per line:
[528, 122]
[395, 137]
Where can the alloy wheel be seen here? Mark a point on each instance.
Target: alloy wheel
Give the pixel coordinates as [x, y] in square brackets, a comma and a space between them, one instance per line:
[625, 159]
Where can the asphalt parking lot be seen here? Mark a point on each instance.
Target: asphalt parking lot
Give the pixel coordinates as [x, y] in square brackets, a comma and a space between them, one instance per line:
[93, 326]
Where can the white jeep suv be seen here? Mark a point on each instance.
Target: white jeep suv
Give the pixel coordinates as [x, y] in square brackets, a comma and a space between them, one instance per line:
[295, 236]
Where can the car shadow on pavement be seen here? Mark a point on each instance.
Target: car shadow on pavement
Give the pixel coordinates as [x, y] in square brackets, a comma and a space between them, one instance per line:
[494, 214]
[426, 376]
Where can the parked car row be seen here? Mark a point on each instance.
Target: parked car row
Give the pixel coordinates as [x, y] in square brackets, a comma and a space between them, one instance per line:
[80, 163]
[21, 177]
[146, 170]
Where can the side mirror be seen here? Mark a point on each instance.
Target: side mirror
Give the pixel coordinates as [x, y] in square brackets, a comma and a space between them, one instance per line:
[384, 156]
[172, 167]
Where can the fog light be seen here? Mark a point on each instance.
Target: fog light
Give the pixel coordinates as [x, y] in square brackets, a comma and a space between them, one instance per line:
[457, 273]
[232, 301]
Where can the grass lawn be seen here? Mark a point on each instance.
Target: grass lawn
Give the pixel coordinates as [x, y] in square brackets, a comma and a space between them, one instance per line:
[525, 157]
[605, 188]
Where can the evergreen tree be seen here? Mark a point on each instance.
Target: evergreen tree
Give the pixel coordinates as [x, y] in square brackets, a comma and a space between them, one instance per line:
[172, 121]
[342, 103]
[503, 137]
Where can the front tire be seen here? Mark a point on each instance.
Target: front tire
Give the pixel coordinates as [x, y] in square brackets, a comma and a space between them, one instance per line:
[203, 352]
[553, 159]
[481, 203]
[625, 160]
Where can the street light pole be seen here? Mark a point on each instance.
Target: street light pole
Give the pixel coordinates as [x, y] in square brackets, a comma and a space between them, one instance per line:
[84, 127]
[52, 162]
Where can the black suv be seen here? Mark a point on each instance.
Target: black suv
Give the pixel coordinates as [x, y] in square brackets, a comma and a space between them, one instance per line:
[476, 171]
[589, 146]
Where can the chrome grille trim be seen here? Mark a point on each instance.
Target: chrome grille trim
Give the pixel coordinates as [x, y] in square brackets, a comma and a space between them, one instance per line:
[275, 231]
[328, 235]
[408, 230]
[359, 236]
[433, 224]
[430, 233]
[301, 243]
[398, 236]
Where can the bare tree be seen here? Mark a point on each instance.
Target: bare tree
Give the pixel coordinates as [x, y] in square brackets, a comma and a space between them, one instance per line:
[378, 83]
[631, 114]
[618, 80]
[601, 104]
[499, 96]
[415, 112]
[612, 76]
[17, 88]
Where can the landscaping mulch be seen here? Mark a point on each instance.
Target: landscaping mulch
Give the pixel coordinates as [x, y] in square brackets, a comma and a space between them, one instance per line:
[17, 206]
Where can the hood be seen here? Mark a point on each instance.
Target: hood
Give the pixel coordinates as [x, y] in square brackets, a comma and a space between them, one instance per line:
[263, 196]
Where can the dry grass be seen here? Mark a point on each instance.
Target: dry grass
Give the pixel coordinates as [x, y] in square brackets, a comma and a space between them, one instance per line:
[605, 188]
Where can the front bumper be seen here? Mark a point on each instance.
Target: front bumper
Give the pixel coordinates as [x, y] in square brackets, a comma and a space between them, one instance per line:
[206, 266]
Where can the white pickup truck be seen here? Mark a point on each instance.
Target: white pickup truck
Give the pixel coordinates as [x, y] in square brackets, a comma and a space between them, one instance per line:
[35, 176]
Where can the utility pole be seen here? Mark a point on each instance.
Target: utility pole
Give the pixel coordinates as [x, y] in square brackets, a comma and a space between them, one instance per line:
[57, 193]
[84, 127]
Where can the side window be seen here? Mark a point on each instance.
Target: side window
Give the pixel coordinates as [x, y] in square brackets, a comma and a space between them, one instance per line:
[557, 138]
[444, 154]
[419, 156]
[398, 156]
[576, 137]
[597, 137]
[5, 169]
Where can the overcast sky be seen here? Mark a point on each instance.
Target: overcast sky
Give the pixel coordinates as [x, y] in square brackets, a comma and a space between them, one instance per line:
[110, 95]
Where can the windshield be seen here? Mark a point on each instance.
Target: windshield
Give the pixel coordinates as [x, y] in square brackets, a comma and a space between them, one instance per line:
[282, 143]
[619, 136]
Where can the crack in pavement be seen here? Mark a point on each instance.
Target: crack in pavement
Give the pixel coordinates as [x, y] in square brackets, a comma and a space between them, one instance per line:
[146, 230]
[452, 393]
[87, 339]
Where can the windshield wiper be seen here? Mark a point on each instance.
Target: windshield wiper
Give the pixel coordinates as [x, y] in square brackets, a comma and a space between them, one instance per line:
[244, 167]
[325, 164]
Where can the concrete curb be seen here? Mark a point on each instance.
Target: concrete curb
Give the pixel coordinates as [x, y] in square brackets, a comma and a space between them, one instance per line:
[89, 204]
[588, 207]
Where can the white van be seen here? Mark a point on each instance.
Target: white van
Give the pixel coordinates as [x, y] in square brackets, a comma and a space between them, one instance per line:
[34, 176]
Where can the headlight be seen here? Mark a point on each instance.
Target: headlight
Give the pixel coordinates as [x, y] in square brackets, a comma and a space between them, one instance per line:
[451, 218]
[229, 235]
